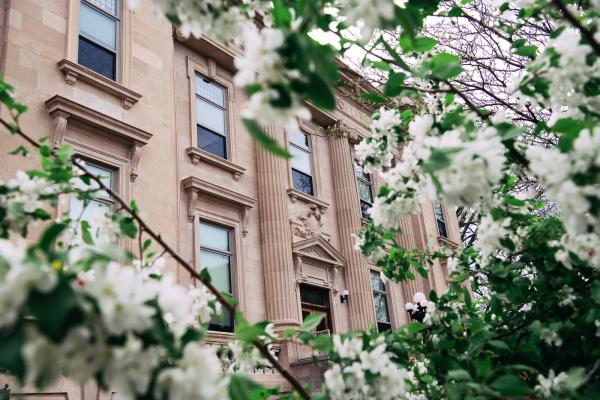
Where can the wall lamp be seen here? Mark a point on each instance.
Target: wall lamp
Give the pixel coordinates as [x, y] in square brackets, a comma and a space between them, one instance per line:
[344, 296]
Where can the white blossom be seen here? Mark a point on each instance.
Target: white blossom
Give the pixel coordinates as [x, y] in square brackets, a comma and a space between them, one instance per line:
[552, 385]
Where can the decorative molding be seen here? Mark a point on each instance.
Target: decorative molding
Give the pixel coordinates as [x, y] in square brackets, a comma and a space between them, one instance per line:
[318, 249]
[196, 155]
[74, 72]
[212, 67]
[63, 110]
[444, 241]
[296, 194]
[194, 186]
[59, 126]
[309, 223]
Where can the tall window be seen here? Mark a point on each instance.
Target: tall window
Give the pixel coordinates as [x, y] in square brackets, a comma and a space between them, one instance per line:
[211, 116]
[314, 300]
[215, 255]
[438, 210]
[302, 175]
[365, 190]
[92, 210]
[98, 31]
[382, 312]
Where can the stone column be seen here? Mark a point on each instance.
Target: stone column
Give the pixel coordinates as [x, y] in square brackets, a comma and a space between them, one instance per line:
[347, 206]
[276, 239]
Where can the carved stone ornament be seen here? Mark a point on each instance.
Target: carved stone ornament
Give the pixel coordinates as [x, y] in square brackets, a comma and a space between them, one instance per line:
[309, 223]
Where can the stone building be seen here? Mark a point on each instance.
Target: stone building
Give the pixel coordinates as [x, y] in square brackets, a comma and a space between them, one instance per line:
[158, 113]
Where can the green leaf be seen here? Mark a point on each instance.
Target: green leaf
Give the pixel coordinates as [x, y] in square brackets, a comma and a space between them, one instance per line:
[247, 332]
[511, 385]
[244, 388]
[312, 321]
[267, 142]
[281, 14]
[12, 340]
[319, 92]
[455, 12]
[445, 66]
[56, 311]
[449, 98]
[128, 227]
[49, 236]
[459, 375]
[205, 275]
[374, 98]
[415, 327]
[393, 87]
[424, 44]
[85, 232]
[527, 51]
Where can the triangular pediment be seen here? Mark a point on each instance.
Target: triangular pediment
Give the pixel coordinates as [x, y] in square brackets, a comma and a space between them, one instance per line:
[320, 250]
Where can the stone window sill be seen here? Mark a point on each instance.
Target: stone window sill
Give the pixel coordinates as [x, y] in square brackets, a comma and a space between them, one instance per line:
[219, 338]
[444, 241]
[197, 155]
[296, 194]
[74, 72]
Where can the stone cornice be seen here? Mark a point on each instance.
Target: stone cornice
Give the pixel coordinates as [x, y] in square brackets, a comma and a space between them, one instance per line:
[197, 155]
[74, 72]
[71, 110]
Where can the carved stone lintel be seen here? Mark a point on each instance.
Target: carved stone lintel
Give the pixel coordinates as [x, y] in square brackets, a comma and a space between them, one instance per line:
[59, 125]
[245, 216]
[192, 196]
[136, 155]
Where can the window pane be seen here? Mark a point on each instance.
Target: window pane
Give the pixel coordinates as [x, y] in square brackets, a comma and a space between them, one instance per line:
[364, 192]
[381, 307]
[302, 182]
[312, 295]
[212, 142]
[301, 160]
[93, 212]
[215, 237]
[364, 209]
[377, 282]
[210, 117]
[98, 27]
[96, 58]
[110, 6]
[439, 212]
[442, 228]
[383, 326]
[299, 139]
[218, 267]
[209, 90]
[360, 172]
[106, 177]
[223, 324]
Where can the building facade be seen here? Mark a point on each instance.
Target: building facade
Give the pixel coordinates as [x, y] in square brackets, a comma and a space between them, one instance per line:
[159, 115]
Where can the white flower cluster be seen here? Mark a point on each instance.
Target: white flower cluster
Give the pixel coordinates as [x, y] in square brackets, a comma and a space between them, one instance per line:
[349, 380]
[489, 233]
[368, 14]
[552, 385]
[475, 163]
[569, 77]
[23, 197]
[262, 64]
[196, 377]
[18, 278]
[376, 152]
[216, 18]
[575, 200]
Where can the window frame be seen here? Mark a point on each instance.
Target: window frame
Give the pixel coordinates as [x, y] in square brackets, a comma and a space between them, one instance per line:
[386, 295]
[309, 131]
[118, 35]
[224, 108]
[208, 68]
[368, 182]
[113, 179]
[444, 220]
[327, 309]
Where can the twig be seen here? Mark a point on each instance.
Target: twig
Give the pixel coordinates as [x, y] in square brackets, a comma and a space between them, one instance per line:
[587, 34]
[143, 226]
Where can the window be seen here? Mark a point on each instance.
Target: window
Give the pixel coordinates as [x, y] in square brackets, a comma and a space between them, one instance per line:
[365, 190]
[93, 210]
[98, 31]
[300, 149]
[315, 300]
[438, 210]
[211, 116]
[215, 256]
[382, 312]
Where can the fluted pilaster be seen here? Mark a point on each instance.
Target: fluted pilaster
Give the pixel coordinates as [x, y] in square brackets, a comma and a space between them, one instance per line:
[360, 302]
[276, 246]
